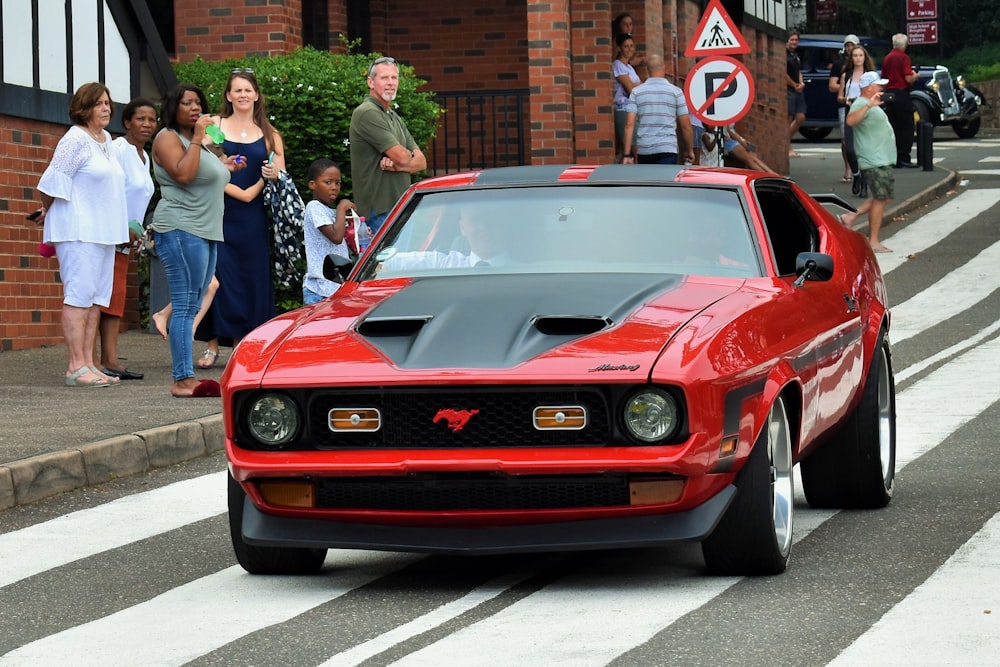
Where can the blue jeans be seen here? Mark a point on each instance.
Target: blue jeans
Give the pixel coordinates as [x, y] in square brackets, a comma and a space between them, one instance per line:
[309, 297]
[375, 221]
[189, 263]
[657, 158]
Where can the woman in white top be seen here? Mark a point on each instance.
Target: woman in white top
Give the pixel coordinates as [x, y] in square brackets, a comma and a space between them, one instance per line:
[139, 119]
[84, 213]
[625, 80]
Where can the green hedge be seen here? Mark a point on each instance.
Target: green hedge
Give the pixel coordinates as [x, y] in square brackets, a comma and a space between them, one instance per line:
[310, 96]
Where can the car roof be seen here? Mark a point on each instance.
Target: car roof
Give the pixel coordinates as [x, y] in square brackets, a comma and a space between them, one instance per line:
[836, 41]
[612, 174]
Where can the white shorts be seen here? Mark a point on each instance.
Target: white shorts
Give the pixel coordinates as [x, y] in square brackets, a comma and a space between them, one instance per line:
[87, 271]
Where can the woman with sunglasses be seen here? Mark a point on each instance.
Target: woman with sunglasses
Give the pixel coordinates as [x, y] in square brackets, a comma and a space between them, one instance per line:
[245, 297]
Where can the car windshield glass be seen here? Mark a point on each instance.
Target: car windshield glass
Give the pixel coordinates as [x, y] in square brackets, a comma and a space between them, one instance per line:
[574, 229]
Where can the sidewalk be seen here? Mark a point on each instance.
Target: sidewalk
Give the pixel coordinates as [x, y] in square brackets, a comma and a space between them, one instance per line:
[57, 438]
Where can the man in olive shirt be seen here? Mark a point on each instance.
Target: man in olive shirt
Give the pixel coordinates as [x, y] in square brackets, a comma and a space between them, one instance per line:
[383, 153]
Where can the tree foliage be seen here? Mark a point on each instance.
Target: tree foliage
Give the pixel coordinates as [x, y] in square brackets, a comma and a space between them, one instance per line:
[310, 96]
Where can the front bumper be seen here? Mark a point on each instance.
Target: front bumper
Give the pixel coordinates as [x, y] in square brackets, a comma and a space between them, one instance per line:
[693, 525]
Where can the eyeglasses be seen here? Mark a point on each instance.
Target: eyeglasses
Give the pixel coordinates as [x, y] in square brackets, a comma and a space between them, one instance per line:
[242, 70]
[384, 60]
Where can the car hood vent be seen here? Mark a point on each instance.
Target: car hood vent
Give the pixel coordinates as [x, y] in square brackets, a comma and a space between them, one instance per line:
[501, 321]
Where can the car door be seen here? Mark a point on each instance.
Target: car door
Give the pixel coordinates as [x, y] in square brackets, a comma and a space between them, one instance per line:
[823, 322]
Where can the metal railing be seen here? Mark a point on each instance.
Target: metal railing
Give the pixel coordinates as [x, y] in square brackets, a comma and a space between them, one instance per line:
[479, 130]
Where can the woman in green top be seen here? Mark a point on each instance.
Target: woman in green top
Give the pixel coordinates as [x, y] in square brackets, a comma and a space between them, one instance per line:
[188, 219]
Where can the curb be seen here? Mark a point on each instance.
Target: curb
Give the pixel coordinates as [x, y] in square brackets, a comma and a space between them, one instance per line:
[35, 478]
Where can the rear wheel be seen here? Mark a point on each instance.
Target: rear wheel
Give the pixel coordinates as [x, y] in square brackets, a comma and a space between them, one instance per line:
[267, 560]
[754, 536]
[815, 133]
[857, 467]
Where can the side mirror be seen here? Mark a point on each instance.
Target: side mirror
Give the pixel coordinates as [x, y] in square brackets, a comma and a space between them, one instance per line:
[336, 268]
[813, 266]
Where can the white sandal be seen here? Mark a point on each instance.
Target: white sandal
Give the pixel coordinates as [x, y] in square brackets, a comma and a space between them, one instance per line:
[211, 356]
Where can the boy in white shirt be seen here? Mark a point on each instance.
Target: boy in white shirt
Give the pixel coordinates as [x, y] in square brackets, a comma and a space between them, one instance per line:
[324, 228]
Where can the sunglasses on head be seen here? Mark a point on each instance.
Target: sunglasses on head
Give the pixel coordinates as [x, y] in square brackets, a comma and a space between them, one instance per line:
[384, 60]
[242, 70]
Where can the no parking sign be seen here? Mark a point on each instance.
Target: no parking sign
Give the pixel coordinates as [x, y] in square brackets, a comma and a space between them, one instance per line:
[719, 90]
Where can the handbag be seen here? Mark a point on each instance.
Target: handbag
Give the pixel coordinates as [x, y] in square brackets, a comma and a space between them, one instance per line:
[288, 213]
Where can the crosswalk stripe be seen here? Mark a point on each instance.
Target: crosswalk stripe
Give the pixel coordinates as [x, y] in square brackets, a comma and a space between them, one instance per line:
[956, 292]
[199, 617]
[429, 621]
[936, 225]
[129, 519]
[963, 597]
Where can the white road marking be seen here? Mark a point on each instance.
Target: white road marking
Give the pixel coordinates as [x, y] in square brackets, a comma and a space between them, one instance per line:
[947, 620]
[958, 291]
[931, 228]
[194, 619]
[108, 526]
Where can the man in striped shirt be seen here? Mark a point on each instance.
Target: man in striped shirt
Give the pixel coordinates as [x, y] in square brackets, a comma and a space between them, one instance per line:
[659, 108]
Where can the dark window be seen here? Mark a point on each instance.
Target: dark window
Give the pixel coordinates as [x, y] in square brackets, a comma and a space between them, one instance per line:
[316, 24]
[789, 227]
[359, 23]
[162, 12]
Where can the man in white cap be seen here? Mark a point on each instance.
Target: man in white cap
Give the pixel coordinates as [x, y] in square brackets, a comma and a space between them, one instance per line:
[875, 145]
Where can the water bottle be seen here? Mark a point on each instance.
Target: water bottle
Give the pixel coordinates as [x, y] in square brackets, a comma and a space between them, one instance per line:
[214, 133]
[363, 235]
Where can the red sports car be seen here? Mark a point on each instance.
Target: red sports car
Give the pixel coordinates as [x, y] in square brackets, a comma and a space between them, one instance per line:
[566, 358]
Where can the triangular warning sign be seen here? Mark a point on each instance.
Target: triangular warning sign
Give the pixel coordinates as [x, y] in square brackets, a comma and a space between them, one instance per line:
[716, 34]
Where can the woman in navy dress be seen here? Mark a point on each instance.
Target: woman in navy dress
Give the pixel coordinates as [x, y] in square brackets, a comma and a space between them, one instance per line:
[245, 298]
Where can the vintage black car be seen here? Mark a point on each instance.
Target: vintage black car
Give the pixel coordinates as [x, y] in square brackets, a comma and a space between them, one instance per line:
[937, 98]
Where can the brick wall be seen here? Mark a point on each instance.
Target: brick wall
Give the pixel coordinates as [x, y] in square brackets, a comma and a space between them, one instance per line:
[221, 29]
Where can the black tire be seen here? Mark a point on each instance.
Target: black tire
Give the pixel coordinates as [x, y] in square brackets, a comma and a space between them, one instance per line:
[754, 536]
[857, 467]
[815, 133]
[966, 129]
[267, 560]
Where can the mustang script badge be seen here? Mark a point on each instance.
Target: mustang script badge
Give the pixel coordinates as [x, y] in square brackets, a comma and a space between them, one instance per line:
[457, 419]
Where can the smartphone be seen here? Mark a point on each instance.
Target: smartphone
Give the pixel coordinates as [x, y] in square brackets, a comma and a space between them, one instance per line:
[35, 215]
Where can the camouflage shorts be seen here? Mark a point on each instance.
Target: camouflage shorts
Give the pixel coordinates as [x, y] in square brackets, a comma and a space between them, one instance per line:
[881, 182]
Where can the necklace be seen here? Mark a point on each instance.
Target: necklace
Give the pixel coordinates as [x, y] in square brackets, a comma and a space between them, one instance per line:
[103, 145]
[243, 133]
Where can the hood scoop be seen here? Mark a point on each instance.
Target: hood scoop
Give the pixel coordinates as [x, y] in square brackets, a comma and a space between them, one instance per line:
[571, 325]
[500, 321]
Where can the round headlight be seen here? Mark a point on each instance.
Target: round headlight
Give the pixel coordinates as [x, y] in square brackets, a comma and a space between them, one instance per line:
[273, 420]
[651, 415]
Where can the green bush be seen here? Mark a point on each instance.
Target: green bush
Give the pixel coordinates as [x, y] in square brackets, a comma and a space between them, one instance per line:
[976, 63]
[310, 96]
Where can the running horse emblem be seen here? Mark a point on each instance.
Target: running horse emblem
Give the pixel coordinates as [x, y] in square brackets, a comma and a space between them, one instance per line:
[457, 419]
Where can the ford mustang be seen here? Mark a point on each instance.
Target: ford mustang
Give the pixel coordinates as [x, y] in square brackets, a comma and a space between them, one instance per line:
[561, 358]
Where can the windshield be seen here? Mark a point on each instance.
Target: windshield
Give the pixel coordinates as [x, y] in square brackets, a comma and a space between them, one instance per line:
[575, 229]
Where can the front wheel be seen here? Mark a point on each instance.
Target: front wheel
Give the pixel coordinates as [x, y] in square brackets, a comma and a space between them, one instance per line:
[266, 560]
[856, 468]
[966, 129]
[921, 114]
[754, 537]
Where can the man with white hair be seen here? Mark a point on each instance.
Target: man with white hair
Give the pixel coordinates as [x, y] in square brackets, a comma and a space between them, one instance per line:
[898, 70]
[876, 148]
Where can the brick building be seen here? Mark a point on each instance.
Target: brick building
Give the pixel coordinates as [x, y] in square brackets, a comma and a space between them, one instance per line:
[530, 82]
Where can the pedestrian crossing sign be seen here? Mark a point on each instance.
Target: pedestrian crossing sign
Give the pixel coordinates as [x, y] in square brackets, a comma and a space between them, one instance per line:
[716, 34]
